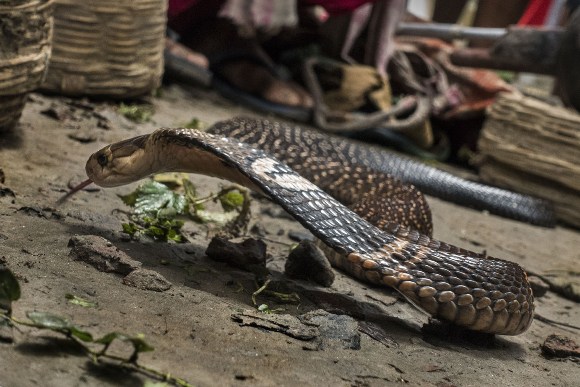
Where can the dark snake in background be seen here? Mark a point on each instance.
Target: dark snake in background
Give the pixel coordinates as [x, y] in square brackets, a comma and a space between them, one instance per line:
[462, 287]
[289, 142]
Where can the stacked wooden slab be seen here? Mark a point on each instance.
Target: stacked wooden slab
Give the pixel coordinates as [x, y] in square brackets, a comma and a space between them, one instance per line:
[533, 147]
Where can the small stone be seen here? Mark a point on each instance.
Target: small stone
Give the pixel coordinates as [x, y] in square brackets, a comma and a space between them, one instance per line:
[259, 230]
[276, 212]
[539, 287]
[560, 346]
[147, 280]
[5, 191]
[307, 261]
[244, 255]
[298, 236]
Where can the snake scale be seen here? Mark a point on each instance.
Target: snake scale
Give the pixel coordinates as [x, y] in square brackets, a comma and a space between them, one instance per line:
[465, 288]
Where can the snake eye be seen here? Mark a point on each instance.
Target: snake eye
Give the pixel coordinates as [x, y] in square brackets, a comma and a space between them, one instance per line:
[102, 159]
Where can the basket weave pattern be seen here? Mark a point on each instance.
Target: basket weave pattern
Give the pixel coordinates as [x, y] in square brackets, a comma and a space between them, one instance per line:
[25, 42]
[107, 48]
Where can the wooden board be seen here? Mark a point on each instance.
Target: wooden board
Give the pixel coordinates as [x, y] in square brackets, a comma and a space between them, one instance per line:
[533, 147]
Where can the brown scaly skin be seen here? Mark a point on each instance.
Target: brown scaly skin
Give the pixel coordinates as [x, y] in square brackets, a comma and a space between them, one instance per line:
[462, 287]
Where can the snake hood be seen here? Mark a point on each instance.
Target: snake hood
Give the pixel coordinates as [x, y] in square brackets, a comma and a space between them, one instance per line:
[165, 150]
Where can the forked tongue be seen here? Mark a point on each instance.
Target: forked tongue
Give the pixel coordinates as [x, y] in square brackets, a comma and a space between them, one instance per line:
[73, 190]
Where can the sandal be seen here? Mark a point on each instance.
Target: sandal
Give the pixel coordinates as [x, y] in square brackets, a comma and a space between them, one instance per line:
[251, 98]
[183, 64]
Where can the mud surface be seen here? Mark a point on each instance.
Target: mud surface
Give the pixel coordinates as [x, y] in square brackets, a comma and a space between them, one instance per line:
[202, 324]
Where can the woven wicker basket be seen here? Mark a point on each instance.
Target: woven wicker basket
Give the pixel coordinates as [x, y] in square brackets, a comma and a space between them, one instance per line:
[107, 48]
[25, 39]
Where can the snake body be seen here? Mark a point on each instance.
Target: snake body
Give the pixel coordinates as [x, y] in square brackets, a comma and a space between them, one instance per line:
[288, 143]
[452, 284]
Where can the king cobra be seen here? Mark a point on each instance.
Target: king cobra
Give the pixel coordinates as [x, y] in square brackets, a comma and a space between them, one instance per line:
[452, 284]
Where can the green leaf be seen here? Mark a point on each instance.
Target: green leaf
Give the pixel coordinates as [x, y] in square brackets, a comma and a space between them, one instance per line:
[173, 235]
[165, 229]
[153, 197]
[167, 213]
[136, 113]
[139, 344]
[130, 228]
[81, 335]
[129, 199]
[109, 337]
[138, 341]
[174, 223]
[156, 206]
[195, 123]
[49, 321]
[155, 232]
[157, 228]
[75, 300]
[9, 286]
[231, 200]
[59, 324]
[264, 308]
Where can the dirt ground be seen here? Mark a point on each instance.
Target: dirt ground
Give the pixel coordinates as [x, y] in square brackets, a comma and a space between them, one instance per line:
[203, 328]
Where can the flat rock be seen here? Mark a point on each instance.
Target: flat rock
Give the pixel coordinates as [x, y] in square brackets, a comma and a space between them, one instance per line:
[101, 254]
[146, 279]
[250, 252]
[283, 323]
[335, 330]
[325, 331]
[560, 346]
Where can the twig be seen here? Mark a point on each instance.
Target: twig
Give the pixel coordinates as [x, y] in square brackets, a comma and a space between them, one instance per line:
[97, 356]
[554, 322]
[260, 290]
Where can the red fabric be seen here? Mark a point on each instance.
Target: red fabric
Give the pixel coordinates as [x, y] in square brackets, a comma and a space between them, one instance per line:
[183, 15]
[178, 6]
[535, 13]
[333, 7]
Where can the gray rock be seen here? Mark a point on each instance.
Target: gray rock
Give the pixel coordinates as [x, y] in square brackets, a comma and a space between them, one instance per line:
[101, 254]
[147, 280]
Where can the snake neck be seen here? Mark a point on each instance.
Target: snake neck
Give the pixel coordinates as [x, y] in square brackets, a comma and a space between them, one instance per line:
[184, 150]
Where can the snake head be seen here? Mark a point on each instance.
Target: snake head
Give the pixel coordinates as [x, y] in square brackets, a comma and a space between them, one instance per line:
[119, 163]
